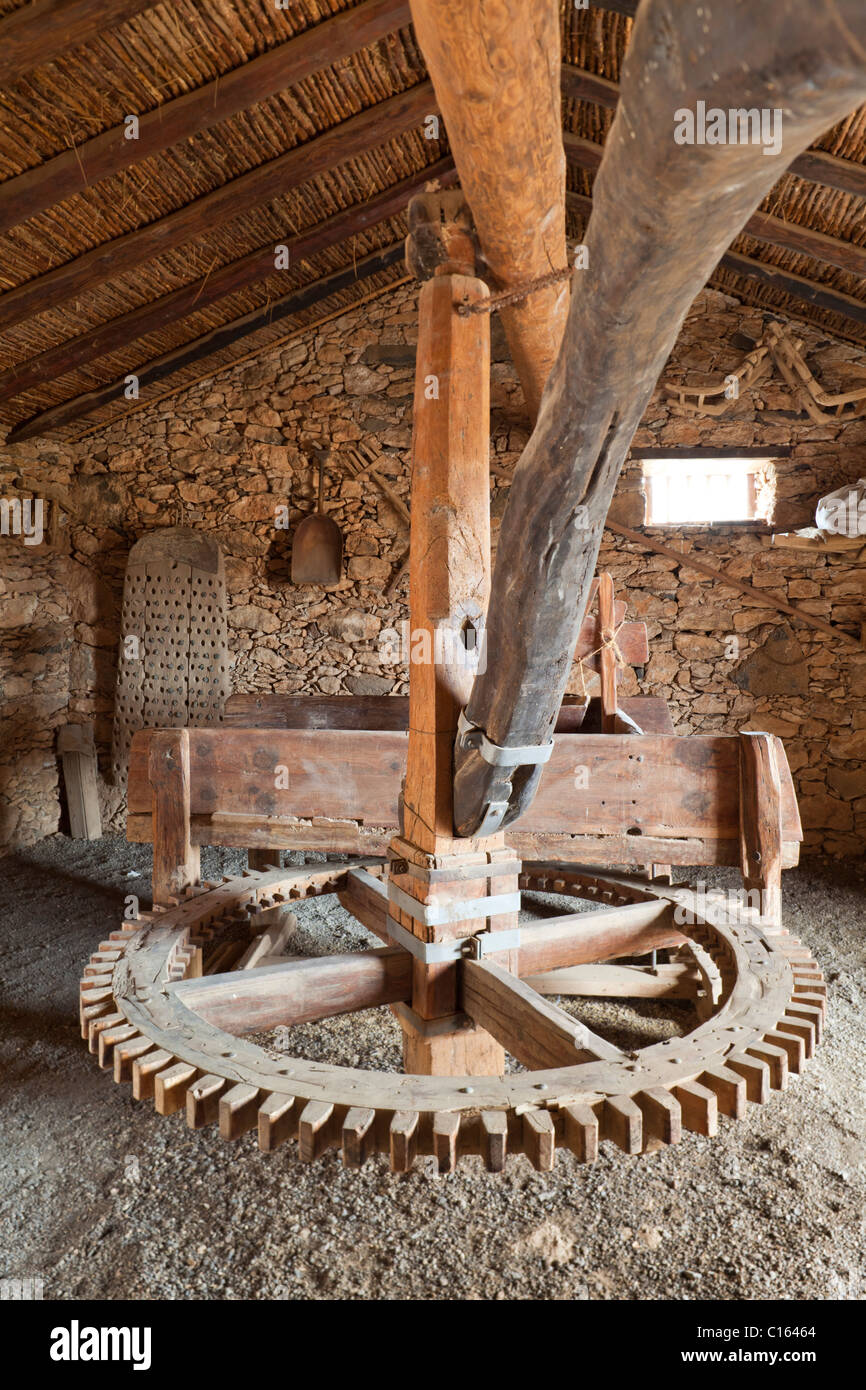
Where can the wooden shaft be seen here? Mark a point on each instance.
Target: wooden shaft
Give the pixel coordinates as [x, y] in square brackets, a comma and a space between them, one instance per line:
[450, 542]
[496, 73]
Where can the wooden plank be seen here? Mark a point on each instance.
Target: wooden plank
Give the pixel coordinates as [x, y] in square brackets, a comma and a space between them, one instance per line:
[105, 154]
[662, 787]
[38, 32]
[214, 341]
[761, 831]
[175, 859]
[300, 991]
[269, 180]
[78, 754]
[384, 713]
[533, 1030]
[156, 314]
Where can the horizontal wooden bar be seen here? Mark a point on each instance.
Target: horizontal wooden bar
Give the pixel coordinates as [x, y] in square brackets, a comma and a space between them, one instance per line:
[656, 785]
[300, 991]
[37, 33]
[585, 938]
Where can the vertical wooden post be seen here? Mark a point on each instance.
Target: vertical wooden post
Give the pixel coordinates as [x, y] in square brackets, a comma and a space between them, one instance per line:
[449, 584]
[761, 821]
[607, 656]
[175, 859]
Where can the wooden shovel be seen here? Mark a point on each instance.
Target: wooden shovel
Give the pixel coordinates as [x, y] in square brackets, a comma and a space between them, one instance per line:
[317, 549]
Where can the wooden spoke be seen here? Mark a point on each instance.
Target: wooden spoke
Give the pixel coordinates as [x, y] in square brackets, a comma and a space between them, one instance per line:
[536, 1032]
[618, 981]
[583, 938]
[299, 991]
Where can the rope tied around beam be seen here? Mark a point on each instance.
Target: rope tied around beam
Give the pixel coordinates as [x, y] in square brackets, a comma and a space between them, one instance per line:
[506, 297]
[608, 640]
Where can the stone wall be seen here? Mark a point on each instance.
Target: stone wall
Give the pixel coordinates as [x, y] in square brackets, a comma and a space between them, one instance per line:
[229, 456]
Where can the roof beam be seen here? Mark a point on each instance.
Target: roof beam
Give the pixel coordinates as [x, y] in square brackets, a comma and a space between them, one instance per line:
[845, 255]
[271, 180]
[819, 296]
[68, 173]
[198, 294]
[817, 166]
[38, 32]
[209, 343]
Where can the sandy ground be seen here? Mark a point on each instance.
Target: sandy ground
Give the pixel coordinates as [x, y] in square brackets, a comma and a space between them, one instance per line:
[102, 1198]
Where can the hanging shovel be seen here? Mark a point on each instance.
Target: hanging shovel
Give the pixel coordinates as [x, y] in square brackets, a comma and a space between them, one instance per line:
[317, 549]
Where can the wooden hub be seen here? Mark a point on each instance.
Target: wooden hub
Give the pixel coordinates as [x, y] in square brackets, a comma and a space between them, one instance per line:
[177, 1037]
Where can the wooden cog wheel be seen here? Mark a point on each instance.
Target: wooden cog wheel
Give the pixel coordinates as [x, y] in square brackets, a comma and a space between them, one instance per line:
[150, 1017]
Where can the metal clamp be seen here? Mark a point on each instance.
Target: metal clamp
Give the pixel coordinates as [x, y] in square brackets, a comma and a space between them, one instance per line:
[470, 736]
[464, 910]
[438, 952]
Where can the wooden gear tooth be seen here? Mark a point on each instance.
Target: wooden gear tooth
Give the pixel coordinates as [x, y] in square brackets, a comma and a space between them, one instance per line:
[622, 1121]
[359, 1136]
[170, 1087]
[203, 1100]
[539, 1139]
[662, 1116]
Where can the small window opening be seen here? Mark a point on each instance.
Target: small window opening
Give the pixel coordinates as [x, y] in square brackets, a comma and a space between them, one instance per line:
[703, 491]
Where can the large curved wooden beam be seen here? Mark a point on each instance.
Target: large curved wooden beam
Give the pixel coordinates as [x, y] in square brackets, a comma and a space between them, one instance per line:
[663, 214]
[496, 72]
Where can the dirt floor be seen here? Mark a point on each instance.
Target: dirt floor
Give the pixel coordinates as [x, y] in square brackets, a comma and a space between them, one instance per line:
[102, 1198]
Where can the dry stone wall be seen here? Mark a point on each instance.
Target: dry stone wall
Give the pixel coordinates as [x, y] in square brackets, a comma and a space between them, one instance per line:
[231, 456]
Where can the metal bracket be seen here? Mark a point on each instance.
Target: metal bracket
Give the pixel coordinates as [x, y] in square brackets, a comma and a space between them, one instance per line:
[443, 914]
[470, 736]
[438, 952]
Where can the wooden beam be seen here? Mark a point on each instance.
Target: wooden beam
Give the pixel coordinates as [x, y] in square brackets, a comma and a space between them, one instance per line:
[38, 32]
[618, 981]
[300, 991]
[760, 596]
[585, 938]
[157, 314]
[816, 166]
[495, 70]
[653, 246]
[209, 343]
[580, 85]
[539, 1034]
[290, 62]
[662, 786]
[845, 255]
[175, 858]
[819, 296]
[200, 217]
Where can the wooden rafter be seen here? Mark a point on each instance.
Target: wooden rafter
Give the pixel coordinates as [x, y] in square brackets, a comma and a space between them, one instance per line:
[214, 341]
[38, 32]
[158, 314]
[271, 180]
[317, 47]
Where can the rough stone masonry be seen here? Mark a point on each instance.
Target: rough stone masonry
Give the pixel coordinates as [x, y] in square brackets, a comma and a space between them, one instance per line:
[227, 453]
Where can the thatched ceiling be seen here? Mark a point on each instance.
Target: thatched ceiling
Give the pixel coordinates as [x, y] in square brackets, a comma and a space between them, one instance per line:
[118, 253]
